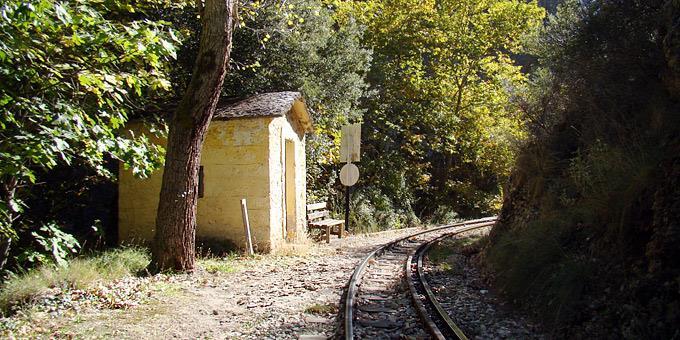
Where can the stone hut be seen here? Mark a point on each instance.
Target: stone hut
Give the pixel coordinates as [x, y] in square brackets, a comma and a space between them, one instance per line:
[254, 149]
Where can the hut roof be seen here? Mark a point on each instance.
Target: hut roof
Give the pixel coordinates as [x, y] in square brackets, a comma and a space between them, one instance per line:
[274, 104]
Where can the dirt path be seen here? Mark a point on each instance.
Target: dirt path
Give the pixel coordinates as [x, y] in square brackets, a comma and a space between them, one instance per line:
[272, 297]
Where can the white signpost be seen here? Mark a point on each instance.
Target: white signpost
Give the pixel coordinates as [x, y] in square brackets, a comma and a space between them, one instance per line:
[350, 151]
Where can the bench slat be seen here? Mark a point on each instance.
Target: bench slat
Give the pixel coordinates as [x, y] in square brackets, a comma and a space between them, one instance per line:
[327, 223]
[316, 215]
[316, 206]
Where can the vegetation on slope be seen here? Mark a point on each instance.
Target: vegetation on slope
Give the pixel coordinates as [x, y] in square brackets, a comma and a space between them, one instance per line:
[588, 233]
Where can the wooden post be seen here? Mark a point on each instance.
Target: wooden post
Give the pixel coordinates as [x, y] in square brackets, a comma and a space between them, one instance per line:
[246, 225]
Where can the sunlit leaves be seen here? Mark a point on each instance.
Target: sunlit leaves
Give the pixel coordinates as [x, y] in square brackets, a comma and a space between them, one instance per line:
[70, 77]
[444, 77]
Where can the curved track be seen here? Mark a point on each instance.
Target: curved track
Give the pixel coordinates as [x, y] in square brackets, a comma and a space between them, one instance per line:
[378, 305]
[438, 322]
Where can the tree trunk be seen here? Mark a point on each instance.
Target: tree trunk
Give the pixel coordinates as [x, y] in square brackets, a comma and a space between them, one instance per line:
[174, 242]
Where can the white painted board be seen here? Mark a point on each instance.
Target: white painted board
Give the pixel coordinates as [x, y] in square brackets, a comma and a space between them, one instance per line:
[350, 143]
[349, 175]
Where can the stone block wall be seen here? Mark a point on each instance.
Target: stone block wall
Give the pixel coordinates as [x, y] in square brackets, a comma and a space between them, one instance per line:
[235, 158]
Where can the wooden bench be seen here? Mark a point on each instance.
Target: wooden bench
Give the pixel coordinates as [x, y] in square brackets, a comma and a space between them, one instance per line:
[318, 218]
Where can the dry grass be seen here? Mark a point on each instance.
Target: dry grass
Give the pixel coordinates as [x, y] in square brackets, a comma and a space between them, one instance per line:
[80, 272]
[321, 309]
[300, 246]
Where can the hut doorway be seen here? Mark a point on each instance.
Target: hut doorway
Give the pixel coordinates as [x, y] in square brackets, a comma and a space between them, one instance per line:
[290, 192]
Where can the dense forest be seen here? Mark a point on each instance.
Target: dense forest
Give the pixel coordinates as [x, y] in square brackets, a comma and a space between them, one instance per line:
[588, 233]
[563, 117]
[433, 96]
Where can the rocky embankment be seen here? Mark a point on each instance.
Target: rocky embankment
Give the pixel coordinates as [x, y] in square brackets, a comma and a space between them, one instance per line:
[591, 217]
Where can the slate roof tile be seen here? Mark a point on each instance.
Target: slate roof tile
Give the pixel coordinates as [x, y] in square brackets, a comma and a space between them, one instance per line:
[275, 104]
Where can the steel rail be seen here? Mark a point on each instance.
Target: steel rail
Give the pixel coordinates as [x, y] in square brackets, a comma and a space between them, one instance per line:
[420, 307]
[451, 327]
[353, 285]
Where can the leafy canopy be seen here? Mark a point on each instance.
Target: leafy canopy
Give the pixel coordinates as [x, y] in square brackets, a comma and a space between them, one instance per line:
[69, 77]
[301, 46]
[443, 74]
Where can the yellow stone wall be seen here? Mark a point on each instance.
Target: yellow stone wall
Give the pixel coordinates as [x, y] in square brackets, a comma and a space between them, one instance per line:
[241, 158]
[280, 131]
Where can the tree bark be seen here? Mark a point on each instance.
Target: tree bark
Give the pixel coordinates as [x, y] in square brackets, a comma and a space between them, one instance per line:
[174, 242]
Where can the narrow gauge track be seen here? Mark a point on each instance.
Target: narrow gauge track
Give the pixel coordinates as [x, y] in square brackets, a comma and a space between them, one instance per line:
[432, 313]
[377, 305]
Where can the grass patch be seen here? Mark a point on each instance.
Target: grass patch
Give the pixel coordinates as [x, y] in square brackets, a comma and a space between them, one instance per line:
[536, 267]
[23, 288]
[440, 252]
[300, 246]
[218, 265]
[321, 309]
[445, 267]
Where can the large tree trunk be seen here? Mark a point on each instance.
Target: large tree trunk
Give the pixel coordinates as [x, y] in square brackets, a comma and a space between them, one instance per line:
[174, 242]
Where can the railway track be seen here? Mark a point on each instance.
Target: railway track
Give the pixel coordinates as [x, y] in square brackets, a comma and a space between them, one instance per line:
[380, 304]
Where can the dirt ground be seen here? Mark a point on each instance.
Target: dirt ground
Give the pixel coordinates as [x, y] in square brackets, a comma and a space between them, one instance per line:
[266, 297]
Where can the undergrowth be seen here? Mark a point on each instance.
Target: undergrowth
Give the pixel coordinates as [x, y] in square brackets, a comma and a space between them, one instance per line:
[372, 211]
[534, 267]
[215, 265]
[321, 309]
[588, 227]
[584, 217]
[78, 273]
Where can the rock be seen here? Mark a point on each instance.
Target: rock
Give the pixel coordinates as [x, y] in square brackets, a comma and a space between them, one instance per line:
[316, 319]
[312, 337]
[381, 323]
[376, 309]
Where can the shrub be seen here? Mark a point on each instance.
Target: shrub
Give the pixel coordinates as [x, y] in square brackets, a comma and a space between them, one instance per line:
[594, 187]
[373, 211]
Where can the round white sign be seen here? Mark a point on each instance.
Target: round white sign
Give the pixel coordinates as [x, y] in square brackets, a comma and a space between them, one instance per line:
[349, 175]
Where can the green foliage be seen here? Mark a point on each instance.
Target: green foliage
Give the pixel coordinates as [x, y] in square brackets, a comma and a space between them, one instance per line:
[372, 211]
[580, 224]
[440, 121]
[79, 273]
[300, 46]
[58, 244]
[71, 73]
